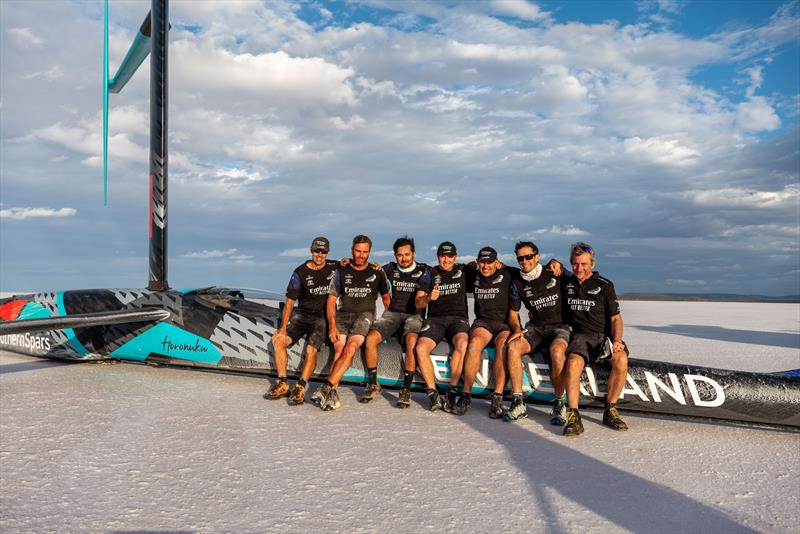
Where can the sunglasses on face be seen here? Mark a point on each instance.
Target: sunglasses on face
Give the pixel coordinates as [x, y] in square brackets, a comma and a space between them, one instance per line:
[319, 251]
[527, 257]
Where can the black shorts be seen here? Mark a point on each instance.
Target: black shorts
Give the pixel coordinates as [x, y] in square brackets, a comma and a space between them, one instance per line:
[543, 336]
[494, 327]
[354, 323]
[589, 345]
[392, 322]
[436, 328]
[306, 324]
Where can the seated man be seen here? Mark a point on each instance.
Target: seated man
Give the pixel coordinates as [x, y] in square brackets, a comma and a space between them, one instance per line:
[308, 286]
[356, 288]
[495, 295]
[540, 291]
[401, 316]
[443, 289]
[597, 335]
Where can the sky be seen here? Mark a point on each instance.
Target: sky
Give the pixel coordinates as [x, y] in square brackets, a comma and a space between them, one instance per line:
[664, 133]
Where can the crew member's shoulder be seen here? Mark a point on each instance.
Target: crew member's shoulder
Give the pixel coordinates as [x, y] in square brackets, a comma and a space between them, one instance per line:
[602, 280]
[391, 266]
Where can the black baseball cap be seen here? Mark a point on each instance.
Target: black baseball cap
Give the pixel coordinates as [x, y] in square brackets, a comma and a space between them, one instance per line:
[446, 249]
[487, 254]
[320, 244]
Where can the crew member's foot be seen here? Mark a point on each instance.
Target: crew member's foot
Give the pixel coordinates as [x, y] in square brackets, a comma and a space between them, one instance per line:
[331, 401]
[516, 411]
[574, 424]
[558, 415]
[320, 394]
[278, 390]
[434, 399]
[449, 401]
[462, 404]
[612, 419]
[372, 391]
[496, 408]
[404, 398]
[298, 395]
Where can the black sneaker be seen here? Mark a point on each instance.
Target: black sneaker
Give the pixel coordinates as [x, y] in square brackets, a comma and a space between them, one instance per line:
[496, 408]
[404, 398]
[320, 394]
[372, 391]
[449, 400]
[612, 419]
[574, 424]
[462, 404]
[435, 400]
[558, 415]
[516, 411]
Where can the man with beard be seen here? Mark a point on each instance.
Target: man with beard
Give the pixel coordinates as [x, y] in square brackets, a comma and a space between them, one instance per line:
[597, 336]
[540, 291]
[356, 287]
[443, 289]
[308, 287]
[402, 316]
[495, 295]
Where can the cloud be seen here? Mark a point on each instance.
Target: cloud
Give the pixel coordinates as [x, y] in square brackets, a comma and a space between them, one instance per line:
[229, 254]
[566, 230]
[518, 8]
[756, 115]
[302, 252]
[661, 150]
[619, 254]
[24, 38]
[28, 213]
[686, 283]
[50, 75]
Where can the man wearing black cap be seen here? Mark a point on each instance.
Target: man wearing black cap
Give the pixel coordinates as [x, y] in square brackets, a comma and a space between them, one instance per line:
[443, 289]
[540, 291]
[495, 296]
[309, 287]
[597, 336]
[356, 287]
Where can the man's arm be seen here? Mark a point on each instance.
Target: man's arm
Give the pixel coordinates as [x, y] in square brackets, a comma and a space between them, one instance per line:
[616, 332]
[287, 312]
[387, 300]
[330, 308]
[516, 327]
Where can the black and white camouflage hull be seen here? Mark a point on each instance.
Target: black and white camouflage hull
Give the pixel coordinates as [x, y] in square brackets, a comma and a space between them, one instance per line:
[220, 329]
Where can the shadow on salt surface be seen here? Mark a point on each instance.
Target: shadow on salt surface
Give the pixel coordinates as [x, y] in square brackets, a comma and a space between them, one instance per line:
[718, 333]
[31, 366]
[627, 500]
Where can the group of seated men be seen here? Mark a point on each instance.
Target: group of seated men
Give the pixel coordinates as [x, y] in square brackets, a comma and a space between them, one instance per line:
[574, 316]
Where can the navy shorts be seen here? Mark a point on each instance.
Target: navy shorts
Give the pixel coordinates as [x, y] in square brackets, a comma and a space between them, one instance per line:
[494, 327]
[306, 324]
[392, 322]
[540, 337]
[436, 328]
[589, 346]
[354, 323]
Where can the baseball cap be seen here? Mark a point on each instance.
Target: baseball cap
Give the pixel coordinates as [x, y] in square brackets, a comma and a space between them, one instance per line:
[320, 244]
[446, 249]
[487, 254]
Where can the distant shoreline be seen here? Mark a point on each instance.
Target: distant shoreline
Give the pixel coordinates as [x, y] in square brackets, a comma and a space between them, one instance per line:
[708, 297]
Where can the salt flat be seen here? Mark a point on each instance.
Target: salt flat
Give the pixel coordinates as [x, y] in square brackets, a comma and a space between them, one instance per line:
[123, 447]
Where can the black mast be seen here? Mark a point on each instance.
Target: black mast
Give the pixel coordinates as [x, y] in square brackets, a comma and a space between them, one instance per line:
[159, 14]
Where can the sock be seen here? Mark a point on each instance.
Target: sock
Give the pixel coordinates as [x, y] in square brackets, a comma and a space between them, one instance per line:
[431, 391]
[330, 384]
[453, 390]
[517, 396]
[282, 378]
[496, 394]
[302, 382]
[408, 377]
[373, 375]
[467, 395]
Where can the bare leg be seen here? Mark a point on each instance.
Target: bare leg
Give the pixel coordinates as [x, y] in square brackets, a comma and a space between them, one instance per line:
[499, 365]
[345, 359]
[423, 352]
[479, 338]
[618, 376]
[309, 364]
[410, 363]
[374, 339]
[514, 352]
[575, 365]
[280, 342]
[558, 370]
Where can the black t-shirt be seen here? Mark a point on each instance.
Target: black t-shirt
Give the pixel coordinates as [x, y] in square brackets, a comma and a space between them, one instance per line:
[453, 287]
[357, 290]
[494, 295]
[542, 297]
[310, 288]
[404, 286]
[591, 304]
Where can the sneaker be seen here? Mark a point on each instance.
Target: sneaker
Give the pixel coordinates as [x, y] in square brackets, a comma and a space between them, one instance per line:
[331, 402]
[496, 408]
[574, 424]
[516, 411]
[320, 394]
[278, 390]
[558, 415]
[435, 400]
[298, 395]
[372, 391]
[612, 419]
[404, 398]
[449, 401]
[462, 404]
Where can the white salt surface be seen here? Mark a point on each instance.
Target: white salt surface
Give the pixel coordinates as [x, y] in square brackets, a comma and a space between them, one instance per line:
[123, 447]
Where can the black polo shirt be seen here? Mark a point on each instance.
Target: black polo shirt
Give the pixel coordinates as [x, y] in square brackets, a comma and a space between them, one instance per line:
[453, 288]
[591, 305]
[310, 288]
[404, 286]
[358, 290]
[542, 297]
[494, 295]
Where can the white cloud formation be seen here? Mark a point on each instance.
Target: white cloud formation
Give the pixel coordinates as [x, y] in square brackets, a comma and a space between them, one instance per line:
[25, 38]
[519, 8]
[229, 254]
[566, 230]
[756, 115]
[29, 213]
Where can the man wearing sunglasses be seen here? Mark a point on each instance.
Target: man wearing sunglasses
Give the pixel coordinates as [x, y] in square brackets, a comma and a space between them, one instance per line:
[308, 287]
[597, 336]
[495, 297]
[443, 289]
[540, 291]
